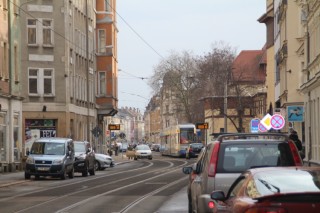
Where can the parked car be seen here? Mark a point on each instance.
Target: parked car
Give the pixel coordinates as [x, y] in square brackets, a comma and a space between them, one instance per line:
[231, 154]
[155, 147]
[84, 158]
[142, 151]
[193, 150]
[50, 157]
[103, 161]
[273, 189]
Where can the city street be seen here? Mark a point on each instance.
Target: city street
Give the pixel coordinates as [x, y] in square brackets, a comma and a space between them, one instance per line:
[156, 185]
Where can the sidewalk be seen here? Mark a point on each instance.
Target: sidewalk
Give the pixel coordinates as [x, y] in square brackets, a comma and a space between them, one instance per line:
[12, 178]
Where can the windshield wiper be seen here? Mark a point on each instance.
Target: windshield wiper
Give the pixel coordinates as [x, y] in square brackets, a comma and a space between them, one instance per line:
[268, 185]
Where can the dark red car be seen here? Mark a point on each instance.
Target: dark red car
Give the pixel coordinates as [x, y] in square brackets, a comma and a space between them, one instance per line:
[272, 190]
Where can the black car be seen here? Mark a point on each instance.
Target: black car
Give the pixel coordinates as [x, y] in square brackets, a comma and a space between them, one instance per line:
[84, 158]
[193, 150]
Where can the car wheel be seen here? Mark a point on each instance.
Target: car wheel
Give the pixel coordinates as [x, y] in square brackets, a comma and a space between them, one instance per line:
[112, 164]
[37, 177]
[97, 165]
[150, 158]
[71, 173]
[135, 158]
[27, 176]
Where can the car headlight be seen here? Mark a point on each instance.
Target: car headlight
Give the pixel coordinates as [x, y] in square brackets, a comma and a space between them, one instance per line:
[57, 161]
[81, 157]
[30, 160]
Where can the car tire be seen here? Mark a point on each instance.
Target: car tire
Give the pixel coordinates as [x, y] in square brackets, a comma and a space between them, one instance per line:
[97, 165]
[135, 158]
[27, 176]
[37, 177]
[112, 164]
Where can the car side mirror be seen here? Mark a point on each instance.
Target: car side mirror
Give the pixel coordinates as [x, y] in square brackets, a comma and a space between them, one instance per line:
[187, 170]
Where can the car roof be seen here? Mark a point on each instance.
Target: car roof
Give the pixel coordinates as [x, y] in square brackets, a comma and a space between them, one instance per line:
[252, 137]
[53, 140]
[254, 171]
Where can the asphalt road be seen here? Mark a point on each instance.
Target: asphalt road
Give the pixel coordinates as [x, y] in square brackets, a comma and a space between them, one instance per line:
[148, 186]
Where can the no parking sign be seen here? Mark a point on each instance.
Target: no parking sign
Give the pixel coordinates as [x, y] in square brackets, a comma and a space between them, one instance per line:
[277, 122]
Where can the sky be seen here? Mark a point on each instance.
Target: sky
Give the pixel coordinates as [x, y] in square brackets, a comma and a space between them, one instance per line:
[149, 30]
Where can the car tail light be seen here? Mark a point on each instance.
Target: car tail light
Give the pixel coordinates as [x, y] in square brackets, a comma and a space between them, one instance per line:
[213, 160]
[190, 150]
[296, 155]
[211, 205]
[266, 210]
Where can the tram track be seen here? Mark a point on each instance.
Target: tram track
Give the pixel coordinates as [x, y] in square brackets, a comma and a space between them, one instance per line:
[111, 186]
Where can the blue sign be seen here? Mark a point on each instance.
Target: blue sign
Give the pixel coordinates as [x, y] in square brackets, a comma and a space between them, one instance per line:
[254, 124]
[295, 113]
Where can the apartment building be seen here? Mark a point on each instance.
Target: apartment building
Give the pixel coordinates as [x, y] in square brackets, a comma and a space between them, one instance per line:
[11, 141]
[310, 71]
[61, 75]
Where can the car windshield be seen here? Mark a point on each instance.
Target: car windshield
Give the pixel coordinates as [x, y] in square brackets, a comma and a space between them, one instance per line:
[45, 148]
[239, 157]
[284, 181]
[79, 147]
[142, 147]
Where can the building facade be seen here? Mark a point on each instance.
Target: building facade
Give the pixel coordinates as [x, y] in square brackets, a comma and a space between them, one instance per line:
[310, 70]
[11, 141]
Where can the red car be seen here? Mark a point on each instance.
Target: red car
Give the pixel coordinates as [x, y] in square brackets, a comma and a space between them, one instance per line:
[272, 190]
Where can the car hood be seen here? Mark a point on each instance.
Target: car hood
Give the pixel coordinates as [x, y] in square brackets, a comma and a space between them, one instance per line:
[79, 153]
[47, 157]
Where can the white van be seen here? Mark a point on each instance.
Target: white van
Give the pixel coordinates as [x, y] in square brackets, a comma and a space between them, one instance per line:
[50, 157]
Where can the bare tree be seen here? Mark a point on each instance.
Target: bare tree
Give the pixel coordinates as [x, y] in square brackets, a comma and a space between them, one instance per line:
[215, 68]
[177, 75]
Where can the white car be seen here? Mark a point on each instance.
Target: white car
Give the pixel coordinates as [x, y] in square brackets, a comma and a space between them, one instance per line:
[142, 151]
[103, 161]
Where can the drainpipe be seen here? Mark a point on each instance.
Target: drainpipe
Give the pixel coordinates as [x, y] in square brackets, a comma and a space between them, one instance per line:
[10, 141]
[87, 74]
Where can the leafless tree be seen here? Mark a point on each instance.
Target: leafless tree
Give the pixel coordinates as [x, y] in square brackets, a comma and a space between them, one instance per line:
[177, 74]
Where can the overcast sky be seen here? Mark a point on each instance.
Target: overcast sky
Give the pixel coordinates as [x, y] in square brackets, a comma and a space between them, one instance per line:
[150, 29]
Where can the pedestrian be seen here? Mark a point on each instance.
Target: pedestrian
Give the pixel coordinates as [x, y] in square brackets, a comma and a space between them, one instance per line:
[294, 136]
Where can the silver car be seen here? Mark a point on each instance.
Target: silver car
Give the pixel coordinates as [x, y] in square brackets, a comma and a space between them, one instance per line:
[230, 155]
[50, 157]
[142, 151]
[103, 161]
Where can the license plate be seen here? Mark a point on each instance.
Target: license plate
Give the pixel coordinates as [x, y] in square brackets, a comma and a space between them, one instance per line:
[43, 168]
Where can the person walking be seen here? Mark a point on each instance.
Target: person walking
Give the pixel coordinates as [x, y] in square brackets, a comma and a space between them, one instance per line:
[294, 137]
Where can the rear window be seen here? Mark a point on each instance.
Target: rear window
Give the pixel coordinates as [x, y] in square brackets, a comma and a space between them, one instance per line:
[236, 158]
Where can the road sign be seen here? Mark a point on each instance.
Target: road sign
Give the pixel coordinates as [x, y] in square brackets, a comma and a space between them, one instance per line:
[266, 121]
[202, 125]
[254, 125]
[277, 122]
[114, 126]
[262, 128]
[295, 113]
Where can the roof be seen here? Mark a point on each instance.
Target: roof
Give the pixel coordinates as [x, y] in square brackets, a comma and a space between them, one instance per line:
[249, 66]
